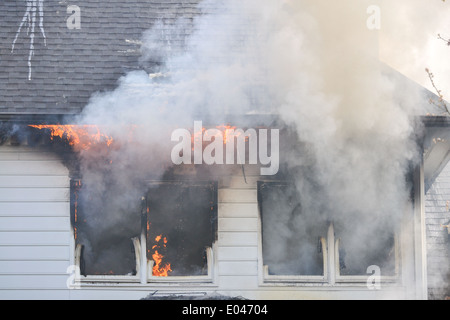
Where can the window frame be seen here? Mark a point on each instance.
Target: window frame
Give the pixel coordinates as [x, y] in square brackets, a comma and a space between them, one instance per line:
[363, 278]
[268, 279]
[210, 251]
[144, 266]
[330, 250]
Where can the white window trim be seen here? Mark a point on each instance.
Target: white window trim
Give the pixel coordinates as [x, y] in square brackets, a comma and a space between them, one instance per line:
[268, 278]
[331, 269]
[144, 271]
[208, 278]
[81, 279]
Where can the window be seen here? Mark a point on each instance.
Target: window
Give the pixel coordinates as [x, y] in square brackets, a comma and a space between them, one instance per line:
[292, 245]
[363, 246]
[174, 223]
[105, 235]
[306, 247]
[181, 227]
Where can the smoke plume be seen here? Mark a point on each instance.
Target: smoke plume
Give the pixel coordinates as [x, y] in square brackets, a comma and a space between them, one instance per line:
[313, 64]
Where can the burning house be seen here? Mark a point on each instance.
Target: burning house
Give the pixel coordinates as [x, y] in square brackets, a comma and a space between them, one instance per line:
[214, 148]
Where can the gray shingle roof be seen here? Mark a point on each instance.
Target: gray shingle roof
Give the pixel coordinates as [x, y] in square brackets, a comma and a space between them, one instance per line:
[69, 65]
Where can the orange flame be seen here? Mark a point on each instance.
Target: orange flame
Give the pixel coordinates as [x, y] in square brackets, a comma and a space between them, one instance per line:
[160, 269]
[225, 131]
[80, 136]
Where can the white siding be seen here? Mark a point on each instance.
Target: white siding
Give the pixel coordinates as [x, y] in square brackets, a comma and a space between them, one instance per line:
[437, 206]
[35, 233]
[238, 225]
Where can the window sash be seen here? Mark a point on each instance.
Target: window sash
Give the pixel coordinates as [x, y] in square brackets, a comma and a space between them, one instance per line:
[331, 268]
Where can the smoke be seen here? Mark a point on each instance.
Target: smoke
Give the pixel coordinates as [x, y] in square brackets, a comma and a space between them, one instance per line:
[312, 63]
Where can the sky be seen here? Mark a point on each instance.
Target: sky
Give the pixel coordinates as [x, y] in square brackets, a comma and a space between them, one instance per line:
[409, 42]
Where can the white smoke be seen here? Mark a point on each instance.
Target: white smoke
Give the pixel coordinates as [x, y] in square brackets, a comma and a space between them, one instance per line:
[312, 63]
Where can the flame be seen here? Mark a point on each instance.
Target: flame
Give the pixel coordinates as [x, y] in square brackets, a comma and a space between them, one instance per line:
[160, 269]
[225, 131]
[80, 136]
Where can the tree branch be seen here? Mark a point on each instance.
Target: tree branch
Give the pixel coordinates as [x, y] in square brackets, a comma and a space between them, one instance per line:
[441, 104]
[444, 39]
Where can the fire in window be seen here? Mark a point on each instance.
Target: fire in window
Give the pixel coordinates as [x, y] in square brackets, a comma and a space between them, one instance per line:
[292, 239]
[180, 225]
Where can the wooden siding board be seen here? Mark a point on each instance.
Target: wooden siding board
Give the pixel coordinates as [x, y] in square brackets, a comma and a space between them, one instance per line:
[34, 267]
[237, 254]
[238, 210]
[237, 239]
[28, 156]
[34, 224]
[239, 182]
[238, 268]
[29, 253]
[239, 283]
[41, 294]
[24, 238]
[34, 194]
[237, 196]
[28, 168]
[238, 224]
[34, 181]
[25, 281]
[35, 209]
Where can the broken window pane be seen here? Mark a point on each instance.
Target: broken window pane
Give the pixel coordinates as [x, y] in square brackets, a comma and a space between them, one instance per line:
[181, 225]
[291, 238]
